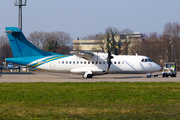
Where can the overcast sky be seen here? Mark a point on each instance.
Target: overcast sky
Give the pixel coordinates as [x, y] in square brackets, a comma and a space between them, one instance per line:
[80, 18]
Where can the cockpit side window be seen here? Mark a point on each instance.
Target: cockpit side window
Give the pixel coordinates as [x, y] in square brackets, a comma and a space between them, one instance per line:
[146, 60]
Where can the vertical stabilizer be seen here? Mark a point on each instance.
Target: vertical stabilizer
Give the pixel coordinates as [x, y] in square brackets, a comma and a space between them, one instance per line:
[20, 46]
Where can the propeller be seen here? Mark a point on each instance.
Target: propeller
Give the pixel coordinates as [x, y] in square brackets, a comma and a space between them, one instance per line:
[109, 57]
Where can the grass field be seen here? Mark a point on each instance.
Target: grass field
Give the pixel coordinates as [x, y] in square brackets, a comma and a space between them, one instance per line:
[103, 100]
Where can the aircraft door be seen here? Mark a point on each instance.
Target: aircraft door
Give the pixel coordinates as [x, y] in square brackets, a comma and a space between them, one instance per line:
[52, 65]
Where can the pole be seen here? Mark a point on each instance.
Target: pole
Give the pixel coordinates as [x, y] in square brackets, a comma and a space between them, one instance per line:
[20, 14]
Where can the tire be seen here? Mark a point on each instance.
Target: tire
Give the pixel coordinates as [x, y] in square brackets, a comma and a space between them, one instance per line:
[89, 76]
[148, 76]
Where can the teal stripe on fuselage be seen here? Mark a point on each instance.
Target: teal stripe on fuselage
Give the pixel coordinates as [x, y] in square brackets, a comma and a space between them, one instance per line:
[29, 60]
[23, 60]
[47, 60]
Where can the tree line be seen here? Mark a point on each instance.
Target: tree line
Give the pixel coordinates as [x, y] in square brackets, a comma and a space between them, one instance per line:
[160, 48]
[163, 47]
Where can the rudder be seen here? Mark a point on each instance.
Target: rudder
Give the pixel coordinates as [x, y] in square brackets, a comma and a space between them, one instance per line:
[20, 46]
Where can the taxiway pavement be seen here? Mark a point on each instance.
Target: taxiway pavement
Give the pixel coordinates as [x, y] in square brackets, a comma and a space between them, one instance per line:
[60, 77]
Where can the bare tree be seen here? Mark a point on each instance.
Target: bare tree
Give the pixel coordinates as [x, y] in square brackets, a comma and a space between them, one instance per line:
[137, 47]
[63, 50]
[154, 46]
[61, 38]
[38, 39]
[165, 47]
[172, 30]
[110, 33]
[46, 40]
[125, 31]
[5, 51]
[151, 46]
[98, 36]
[3, 40]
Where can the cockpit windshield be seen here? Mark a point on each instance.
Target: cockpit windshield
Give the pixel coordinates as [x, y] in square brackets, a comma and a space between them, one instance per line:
[146, 60]
[150, 60]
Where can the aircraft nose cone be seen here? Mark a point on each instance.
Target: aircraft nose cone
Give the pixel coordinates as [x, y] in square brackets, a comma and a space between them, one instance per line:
[158, 67]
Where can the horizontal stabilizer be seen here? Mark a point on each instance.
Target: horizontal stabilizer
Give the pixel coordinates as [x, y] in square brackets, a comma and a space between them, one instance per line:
[13, 31]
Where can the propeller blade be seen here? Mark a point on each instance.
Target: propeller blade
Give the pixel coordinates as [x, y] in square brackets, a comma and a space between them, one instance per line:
[109, 57]
[109, 64]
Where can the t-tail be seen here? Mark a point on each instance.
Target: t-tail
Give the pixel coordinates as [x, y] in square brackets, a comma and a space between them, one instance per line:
[20, 46]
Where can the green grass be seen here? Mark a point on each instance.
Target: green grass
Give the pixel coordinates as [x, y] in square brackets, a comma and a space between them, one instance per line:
[103, 100]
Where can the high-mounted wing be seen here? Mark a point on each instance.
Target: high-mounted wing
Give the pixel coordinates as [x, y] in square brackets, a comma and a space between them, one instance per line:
[85, 55]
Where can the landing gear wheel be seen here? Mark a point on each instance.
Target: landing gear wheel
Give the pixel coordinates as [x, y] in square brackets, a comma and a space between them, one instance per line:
[148, 76]
[173, 75]
[88, 76]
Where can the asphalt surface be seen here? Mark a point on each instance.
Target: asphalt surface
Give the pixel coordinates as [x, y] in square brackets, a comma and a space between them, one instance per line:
[60, 77]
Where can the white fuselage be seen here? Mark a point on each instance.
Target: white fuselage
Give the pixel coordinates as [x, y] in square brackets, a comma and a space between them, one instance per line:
[121, 64]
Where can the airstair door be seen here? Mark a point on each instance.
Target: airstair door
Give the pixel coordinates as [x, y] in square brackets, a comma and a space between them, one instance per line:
[52, 65]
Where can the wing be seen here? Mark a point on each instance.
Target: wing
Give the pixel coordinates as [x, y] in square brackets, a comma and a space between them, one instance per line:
[85, 55]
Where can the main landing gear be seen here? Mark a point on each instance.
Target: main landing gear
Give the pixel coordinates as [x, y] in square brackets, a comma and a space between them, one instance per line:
[88, 74]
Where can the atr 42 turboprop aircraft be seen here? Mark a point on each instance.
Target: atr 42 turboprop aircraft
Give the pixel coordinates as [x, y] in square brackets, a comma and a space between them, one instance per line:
[84, 63]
